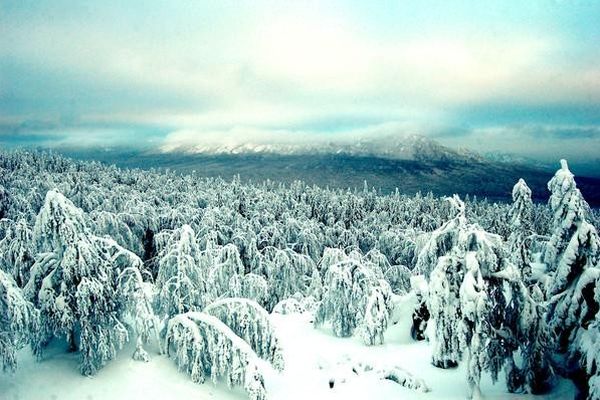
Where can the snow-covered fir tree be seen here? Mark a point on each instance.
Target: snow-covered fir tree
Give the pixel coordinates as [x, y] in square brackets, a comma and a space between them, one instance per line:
[315, 288]
[181, 280]
[336, 305]
[352, 289]
[17, 250]
[447, 273]
[467, 300]
[568, 209]
[251, 322]
[285, 271]
[535, 375]
[19, 321]
[474, 330]
[377, 314]
[224, 264]
[249, 286]
[442, 240]
[74, 283]
[521, 225]
[587, 345]
[444, 307]
[204, 347]
[139, 309]
[573, 258]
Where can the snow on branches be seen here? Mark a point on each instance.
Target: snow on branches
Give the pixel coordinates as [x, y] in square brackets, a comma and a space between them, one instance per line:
[204, 347]
[442, 240]
[355, 297]
[444, 307]
[182, 284]
[18, 321]
[75, 284]
[587, 344]
[17, 250]
[572, 256]
[250, 321]
[295, 248]
[521, 222]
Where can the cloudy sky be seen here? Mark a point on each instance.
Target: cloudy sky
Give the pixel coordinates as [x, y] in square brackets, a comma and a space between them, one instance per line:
[515, 76]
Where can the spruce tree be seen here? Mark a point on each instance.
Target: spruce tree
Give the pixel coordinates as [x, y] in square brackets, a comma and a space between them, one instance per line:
[181, 281]
[573, 249]
[520, 216]
[74, 283]
[19, 322]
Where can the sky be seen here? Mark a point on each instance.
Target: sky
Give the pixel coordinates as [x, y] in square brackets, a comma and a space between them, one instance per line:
[510, 76]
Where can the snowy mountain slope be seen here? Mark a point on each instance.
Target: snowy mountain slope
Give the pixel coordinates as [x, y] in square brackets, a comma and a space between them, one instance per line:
[410, 163]
[397, 147]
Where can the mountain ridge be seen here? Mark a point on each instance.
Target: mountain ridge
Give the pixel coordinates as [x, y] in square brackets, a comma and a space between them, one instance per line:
[394, 147]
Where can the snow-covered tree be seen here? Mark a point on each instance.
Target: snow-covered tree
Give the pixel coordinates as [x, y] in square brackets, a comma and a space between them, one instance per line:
[336, 305]
[587, 345]
[446, 249]
[249, 286]
[17, 251]
[377, 314]
[573, 249]
[468, 302]
[421, 315]
[315, 287]
[474, 334]
[349, 287]
[442, 240]
[568, 210]
[224, 264]
[251, 322]
[255, 384]
[521, 225]
[59, 224]
[285, 271]
[139, 307]
[101, 333]
[444, 307]
[74, 282]
[18, 321]
[204, 347]
[536, 373]
[181, 281]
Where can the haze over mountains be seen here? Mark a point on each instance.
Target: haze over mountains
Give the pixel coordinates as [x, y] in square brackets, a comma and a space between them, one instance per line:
[410, 163]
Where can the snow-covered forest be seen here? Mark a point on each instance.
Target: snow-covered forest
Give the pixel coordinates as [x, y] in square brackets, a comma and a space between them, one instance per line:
[97, 260]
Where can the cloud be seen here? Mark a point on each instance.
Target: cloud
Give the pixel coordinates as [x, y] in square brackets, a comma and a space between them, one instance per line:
[297, 71]
[544, 142]
[304, 57]
[83, 138]
[327, 57]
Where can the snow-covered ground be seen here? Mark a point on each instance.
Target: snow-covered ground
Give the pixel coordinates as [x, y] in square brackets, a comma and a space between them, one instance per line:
[313, 357]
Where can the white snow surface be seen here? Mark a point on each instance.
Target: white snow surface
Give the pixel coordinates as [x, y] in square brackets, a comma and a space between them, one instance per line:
[313, 357]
